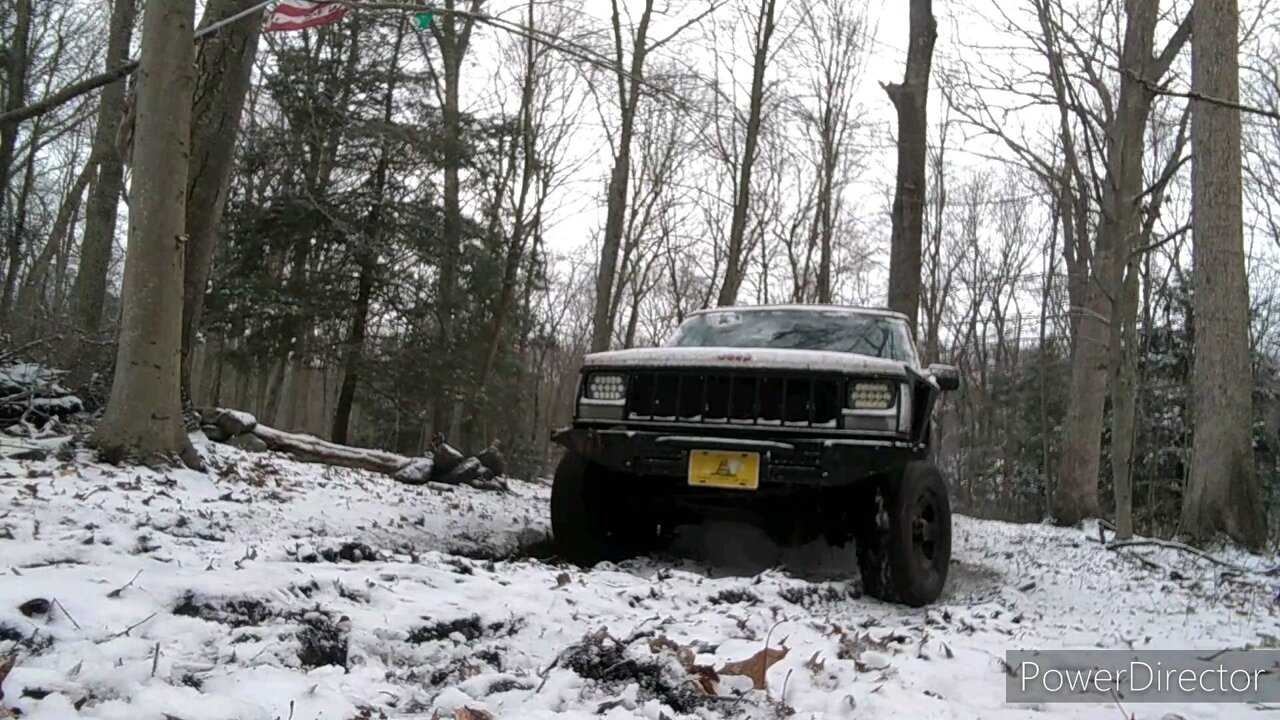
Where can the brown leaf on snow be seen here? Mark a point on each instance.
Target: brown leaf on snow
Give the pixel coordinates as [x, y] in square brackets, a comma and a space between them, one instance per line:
[707, 678]
[5, 666]
[757, 666]
[466, 713]
[706, 675]
[816, 665]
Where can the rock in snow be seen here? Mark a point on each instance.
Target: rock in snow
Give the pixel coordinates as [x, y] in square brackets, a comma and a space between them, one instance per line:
[266, 588]
[418, 471]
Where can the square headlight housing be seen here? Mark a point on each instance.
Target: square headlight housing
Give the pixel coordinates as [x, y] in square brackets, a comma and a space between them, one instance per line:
[871, 395]
[606, 387]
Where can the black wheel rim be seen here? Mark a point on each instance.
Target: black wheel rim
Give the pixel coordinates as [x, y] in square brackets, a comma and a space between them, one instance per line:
[925, 528]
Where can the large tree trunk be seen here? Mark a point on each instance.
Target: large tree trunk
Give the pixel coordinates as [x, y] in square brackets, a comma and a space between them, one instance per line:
[1222, 493]
[910, 100]
[1124, 399]
[620, 176]
[90, 287]
[224, 63]
[734, 262]
[1099, 322]
[144, 413]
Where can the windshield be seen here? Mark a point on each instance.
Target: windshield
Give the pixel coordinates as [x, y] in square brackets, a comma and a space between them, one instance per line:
[874, 335]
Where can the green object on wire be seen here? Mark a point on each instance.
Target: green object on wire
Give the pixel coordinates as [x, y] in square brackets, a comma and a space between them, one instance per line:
[424, 19]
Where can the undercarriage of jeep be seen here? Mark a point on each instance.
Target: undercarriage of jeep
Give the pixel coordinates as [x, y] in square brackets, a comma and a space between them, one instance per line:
[805, 442]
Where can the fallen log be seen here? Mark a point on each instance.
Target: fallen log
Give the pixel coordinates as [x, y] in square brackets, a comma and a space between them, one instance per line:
[235, 428]
[309, 448]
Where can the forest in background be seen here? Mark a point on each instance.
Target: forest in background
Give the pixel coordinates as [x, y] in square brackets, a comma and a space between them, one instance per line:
[386, 257]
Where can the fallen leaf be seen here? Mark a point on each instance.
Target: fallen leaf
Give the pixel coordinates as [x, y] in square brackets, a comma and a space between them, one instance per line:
[816, 665]
[757, 666]
[707, 678]
[466, 713]
[563, 579]
[704, 674]
[5, 666]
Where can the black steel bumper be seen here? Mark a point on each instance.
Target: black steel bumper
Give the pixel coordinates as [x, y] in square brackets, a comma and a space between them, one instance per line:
[802, 460]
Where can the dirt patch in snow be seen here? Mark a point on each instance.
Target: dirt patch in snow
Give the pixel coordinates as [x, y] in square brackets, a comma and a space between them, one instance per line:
[233, 612]
[470, 628]
[613, 664]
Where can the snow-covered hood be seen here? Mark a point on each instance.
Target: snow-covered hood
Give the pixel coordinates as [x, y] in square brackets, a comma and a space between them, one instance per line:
[747, 358]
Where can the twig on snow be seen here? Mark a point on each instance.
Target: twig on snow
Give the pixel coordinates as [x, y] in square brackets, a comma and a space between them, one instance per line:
[126, 631]
[64, 612]
[1115, 544]
[120, 590]
[545, 674]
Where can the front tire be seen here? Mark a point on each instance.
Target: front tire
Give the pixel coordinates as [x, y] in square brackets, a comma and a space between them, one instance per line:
[591, 517]
[905, 550]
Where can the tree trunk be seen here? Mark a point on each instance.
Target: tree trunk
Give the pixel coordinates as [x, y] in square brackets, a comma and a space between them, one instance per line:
[452, 34]
[1124, 400]
[1098, 330]
[366, 258]
[1222, 493]
[224, 63]
[910, 100]
[620, 176]
[89, 291]
[144, 413]
[18, 226]
[520, 221]
[734, 263]
[15, 95]
[31, 307]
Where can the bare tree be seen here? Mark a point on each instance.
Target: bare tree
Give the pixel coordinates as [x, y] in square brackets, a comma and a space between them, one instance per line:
[15, 92]
[832, 37]
[735, 260]
[910, 100]
[1222, 492]
[90, 286]
[224, 63]
[144, 413]
[627, 76]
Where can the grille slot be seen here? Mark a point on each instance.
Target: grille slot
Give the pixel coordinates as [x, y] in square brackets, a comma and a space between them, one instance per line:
[742, 398]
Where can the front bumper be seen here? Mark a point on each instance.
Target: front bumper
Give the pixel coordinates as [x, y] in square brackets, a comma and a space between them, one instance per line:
[785, 460]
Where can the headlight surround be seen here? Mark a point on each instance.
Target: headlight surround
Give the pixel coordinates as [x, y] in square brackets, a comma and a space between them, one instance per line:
[871, 395]
[610, 387]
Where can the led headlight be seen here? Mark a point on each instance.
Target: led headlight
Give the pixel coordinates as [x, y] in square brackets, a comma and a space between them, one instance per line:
[603, 386]
[871, 396]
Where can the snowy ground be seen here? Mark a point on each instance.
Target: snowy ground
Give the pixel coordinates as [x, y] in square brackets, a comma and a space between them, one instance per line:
[271, 589]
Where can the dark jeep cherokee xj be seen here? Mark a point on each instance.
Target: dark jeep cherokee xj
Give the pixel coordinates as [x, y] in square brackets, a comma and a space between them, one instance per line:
[810, 421]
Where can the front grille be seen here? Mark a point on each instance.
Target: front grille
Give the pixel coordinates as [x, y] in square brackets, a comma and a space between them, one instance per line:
[708, 397]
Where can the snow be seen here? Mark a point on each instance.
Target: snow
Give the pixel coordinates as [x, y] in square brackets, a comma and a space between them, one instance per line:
[754, 358]
[27, 375]
[826, 309]
[224, 595]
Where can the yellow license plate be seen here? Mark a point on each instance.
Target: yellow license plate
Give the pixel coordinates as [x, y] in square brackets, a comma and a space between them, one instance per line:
[717, 468]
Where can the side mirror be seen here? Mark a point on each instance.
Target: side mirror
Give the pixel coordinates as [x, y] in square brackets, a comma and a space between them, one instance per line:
[947, 376]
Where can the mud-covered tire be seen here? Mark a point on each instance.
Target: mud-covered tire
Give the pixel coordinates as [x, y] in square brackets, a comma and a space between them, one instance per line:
[591, 519]
[904, 551]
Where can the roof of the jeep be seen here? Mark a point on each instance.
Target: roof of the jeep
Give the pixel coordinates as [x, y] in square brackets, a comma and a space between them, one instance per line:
[882, 312]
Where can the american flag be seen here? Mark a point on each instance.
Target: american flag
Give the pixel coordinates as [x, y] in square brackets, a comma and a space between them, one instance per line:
[301, 14]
